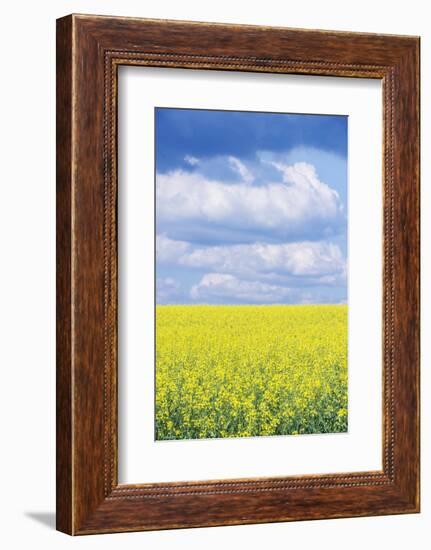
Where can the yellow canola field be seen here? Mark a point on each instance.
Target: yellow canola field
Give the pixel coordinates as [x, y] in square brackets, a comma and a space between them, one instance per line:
[243, 371]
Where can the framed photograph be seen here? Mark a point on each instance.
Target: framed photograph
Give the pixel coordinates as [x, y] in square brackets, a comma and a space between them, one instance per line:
[237, 274]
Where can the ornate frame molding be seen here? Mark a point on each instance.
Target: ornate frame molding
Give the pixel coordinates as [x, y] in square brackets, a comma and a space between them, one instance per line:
[90, 49]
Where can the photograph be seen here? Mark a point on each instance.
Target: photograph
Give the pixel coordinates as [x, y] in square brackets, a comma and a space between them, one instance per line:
[216, 272]
[251, 264]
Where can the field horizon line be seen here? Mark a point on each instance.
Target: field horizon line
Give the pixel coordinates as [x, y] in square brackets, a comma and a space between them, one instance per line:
[254, 305]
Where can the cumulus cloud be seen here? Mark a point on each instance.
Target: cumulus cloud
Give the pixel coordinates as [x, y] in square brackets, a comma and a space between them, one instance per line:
[169, 250]
[303, 258]
[318, 260]
[219, 287]
[261, 230]
[299, 206]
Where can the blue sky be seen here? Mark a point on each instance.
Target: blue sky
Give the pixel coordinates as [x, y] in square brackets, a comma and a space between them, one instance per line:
[251, 208]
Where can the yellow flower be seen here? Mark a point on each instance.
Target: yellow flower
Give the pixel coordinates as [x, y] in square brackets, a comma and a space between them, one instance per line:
[241, 371]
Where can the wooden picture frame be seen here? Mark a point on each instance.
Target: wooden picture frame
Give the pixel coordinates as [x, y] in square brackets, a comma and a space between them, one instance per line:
[89, 51]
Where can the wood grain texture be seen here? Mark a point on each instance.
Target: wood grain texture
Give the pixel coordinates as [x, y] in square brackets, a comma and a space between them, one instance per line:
[64, 497]
[90, 49]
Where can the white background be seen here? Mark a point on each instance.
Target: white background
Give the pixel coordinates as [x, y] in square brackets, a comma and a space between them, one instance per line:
[27, 218]
[141, 458]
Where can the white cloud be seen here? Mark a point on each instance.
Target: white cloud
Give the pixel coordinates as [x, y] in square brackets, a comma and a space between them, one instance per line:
[170, 251]
[322, 260]
[298, 205]
[303, 258]
[191, 160]
[241, 169]
[219, 287]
